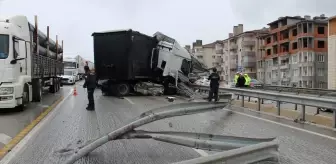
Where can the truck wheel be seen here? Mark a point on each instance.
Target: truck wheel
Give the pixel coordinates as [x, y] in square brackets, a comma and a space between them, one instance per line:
[53, 88]
[25, 97]
[37, 90]
[122, 89]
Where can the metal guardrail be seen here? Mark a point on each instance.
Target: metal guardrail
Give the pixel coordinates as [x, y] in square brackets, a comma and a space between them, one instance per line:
[242, 149]
[328, 103]
[313, 91]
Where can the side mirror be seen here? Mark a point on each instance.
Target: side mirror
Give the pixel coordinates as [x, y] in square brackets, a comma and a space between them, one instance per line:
[13, 61]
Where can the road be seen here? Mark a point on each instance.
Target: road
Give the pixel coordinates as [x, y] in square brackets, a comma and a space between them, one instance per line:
[13, 121]
[71, 122]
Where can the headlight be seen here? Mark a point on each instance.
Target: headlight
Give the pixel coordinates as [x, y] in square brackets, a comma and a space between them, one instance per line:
[6, 90]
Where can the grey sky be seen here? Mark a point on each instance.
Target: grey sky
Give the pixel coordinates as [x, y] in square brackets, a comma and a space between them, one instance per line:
[185, 20]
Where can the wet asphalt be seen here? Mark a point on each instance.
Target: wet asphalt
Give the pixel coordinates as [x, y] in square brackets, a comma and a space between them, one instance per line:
[72, 122]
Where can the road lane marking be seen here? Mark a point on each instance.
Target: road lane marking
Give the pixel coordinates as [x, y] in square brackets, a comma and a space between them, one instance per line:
[130, 101]
[5, 138]
[20, 141]
[281, 124]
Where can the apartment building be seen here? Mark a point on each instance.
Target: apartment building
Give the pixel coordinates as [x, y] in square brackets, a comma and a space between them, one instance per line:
[207, 55]
[332, 53]
[294, 53]
[239, 52]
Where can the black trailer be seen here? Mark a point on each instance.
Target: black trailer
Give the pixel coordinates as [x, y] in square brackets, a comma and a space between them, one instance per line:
[123, 58]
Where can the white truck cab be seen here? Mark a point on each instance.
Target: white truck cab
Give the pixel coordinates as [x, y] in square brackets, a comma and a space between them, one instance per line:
[22, 74]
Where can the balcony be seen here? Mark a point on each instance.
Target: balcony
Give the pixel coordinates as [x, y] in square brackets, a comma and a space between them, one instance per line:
[248, 64]
[233, 47]
[284, 66]
[249, 53]
[219, 51]
[249, 43]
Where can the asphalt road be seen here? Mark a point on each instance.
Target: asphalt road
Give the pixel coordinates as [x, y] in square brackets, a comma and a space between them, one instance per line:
[71, 122]
[13, 121]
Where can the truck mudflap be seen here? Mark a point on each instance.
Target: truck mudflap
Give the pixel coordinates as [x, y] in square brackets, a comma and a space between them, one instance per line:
[235, 147]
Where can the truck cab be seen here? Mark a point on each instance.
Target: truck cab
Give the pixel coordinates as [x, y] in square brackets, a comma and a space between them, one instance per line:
[71, 67]
[14, 57]
[27, 62]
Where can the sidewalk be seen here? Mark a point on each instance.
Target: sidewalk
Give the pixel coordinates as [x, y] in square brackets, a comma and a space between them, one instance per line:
[289, 113]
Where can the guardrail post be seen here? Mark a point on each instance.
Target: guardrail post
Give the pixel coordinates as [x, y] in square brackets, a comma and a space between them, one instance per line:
[242, 103]
[262, 101]
[278, 108]
[334, 119]
[303, 113]
[295, 107]
[259, 103]
[238, 97]
[249, 99]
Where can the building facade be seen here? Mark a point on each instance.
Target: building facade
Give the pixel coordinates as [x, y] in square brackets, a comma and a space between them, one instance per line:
[332, 53]
[207, 54]
[239, 52]
[294, 53]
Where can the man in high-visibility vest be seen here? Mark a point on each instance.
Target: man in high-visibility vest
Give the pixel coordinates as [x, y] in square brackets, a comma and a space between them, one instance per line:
[247, 80]
[236, 78]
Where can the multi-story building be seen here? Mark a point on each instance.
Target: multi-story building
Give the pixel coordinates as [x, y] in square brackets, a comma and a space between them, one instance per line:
[239, 52]
[295, 52]
[332, 53]
[208, 55]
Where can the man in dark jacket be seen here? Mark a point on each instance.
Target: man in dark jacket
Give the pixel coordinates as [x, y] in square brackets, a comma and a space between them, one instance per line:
[90, 84]
[241, 81]
[214, 84]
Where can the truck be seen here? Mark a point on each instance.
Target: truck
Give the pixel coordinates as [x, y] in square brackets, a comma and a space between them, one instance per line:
[73, 69]
[126, 59]
[29, 62]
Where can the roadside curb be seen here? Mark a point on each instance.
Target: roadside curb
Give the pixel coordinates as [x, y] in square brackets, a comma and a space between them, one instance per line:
[8, 147]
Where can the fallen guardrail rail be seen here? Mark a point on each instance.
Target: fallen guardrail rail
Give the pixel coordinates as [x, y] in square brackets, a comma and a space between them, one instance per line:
[195, 140]
[328, 103]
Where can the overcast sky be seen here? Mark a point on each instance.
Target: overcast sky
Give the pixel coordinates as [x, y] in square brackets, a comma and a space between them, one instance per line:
[185, 20]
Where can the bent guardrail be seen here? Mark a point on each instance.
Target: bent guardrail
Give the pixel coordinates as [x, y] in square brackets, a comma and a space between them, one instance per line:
[328, 103]
[194, 140]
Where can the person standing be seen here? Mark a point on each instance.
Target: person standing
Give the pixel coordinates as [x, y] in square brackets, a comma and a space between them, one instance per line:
[247, 80]
[90, 84]
[214, 85]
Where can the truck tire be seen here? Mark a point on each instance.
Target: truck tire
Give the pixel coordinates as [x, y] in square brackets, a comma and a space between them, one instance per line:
[58, 83]
[25, 97]
[53, 88]
[37, 90]
[122, 89]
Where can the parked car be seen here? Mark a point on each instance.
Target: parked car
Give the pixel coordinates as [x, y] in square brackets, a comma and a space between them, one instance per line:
[256, 83]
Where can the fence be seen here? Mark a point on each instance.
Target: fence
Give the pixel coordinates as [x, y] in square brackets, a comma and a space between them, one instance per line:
[328, 103]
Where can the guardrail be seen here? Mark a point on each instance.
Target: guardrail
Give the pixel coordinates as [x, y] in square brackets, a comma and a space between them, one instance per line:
[314, 91]
[237, 149]
[328, 103]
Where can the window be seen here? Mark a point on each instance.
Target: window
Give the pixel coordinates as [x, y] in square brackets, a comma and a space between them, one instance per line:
[310, 56]
[310, 71]
[268, 40]
[294, 32]
[268, 52]
[320, 72]
[213, 56]
[294, 45]
[320, 44]
[4, 46]
[294, 59]
[296, 72]
[320, 30]
[320, 58]
[320, 84]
